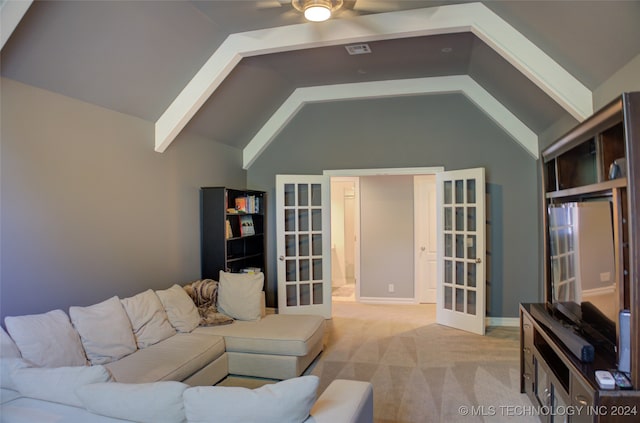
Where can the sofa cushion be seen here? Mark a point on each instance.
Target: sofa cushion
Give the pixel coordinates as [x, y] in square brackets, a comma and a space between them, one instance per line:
[279, 334]
[176, 358]
[282, 402]
[47, 340]
[8, 348]
[59, 384]
[148, 319]
[240, 295]
[7, 367]
[158, 402]
[30, 410]
[182, 312]
[7, 395]
[105, 330]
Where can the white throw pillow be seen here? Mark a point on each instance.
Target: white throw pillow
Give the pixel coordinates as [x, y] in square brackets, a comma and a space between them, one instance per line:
[59, 384]
[7, 367]
[105, 330]
[8, 348]
[240, 295]
[148, 318]
[289, 401]
[182, 312]
[159, 402]
[46, 340]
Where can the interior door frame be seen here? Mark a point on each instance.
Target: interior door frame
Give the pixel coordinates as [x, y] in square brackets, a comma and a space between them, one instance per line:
[381, 172]
[356, 229]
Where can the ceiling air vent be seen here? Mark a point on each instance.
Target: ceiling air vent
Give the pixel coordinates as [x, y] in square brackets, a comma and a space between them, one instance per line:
[354, 49]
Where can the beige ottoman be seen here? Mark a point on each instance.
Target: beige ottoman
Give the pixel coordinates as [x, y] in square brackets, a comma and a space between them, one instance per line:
[279, 346]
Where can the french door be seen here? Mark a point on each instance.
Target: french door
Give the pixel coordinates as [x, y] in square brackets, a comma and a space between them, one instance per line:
[303, 235]
[461, 301]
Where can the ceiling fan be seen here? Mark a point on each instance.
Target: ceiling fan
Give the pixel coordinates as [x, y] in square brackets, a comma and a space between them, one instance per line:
[322, 10]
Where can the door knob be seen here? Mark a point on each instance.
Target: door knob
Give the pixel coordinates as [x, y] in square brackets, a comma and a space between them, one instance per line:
[281, 258]
[478, 260]
[423, 248]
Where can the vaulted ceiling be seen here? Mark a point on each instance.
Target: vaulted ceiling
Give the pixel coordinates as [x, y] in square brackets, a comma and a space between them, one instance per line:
[137, 57]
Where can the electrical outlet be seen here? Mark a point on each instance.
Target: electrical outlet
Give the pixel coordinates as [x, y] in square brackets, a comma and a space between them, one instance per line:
[391, 288]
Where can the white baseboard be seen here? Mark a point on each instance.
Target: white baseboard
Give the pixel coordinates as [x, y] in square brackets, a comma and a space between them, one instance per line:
[503, 321]
[385, 300]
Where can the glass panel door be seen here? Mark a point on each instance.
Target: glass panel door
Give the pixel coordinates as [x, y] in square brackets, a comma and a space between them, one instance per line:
[461, 253]
[302, 230]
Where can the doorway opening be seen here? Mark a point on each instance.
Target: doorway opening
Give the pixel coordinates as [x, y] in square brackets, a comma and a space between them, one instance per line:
[304, 243]
[414, 236]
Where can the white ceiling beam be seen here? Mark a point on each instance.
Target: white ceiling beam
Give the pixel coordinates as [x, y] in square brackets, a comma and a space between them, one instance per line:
[535, 64]
[194, 95]
[11, 13]
[474, 17]
[380, 89]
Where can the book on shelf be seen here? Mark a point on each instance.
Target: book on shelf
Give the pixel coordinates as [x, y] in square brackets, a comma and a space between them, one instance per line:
[246, 226]
[253, 204]
[247, 204]
[241, 204]
[229, 230]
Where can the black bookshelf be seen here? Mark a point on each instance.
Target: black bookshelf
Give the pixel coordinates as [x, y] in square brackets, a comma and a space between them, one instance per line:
[232, 231]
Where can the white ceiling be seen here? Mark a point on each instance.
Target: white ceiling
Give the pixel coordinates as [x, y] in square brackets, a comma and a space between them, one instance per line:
[136, 56]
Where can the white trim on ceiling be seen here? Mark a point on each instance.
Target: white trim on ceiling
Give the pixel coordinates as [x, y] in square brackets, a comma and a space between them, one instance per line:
[541, 69]
[11, 13]
[380, 89]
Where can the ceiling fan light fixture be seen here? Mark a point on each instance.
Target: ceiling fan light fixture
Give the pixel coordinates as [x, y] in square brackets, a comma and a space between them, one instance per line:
[317, 10]
[317, 13]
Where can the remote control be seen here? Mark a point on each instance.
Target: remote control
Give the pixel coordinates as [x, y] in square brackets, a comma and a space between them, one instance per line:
[621, 379]
[605, 379]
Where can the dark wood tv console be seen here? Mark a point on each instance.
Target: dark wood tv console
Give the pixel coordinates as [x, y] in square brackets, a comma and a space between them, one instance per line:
[561, 387]
[598, 160]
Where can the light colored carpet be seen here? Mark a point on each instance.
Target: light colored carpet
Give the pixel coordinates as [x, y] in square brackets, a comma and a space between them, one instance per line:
[344, 293]
[420, 371]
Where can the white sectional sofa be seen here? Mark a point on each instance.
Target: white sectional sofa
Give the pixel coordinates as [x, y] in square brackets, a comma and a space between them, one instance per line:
[66, 368]
[344, 401]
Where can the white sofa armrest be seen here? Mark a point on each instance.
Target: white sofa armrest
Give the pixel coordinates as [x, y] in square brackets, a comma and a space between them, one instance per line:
[344, 401]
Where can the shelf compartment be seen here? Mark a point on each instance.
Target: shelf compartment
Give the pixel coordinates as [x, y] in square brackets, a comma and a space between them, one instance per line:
[551, 177]
[553, 361]
[231, 259]
[577, 167]
[611, 147]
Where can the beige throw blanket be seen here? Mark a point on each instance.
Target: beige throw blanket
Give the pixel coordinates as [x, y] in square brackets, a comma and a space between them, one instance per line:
[204, 294]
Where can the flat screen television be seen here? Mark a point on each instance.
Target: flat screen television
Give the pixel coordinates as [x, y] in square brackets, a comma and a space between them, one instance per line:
[582, 270]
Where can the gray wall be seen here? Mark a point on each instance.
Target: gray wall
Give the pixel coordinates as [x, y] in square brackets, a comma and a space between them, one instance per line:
[89, 209]
[624, 80]
[443, 130]
[386, 236]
